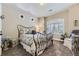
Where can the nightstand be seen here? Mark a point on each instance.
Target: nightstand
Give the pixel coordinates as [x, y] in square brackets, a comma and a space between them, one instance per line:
[9, 43]
[14, 42]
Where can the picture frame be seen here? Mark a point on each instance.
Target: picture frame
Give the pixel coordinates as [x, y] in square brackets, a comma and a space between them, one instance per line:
[76, 23]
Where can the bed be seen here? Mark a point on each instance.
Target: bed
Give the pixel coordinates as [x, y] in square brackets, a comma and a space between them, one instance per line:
[33, 42]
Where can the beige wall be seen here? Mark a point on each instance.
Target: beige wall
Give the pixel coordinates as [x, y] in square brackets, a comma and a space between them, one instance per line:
[60, 15]
[0, 30]
[73, 15]
[40, 24]
[69, 16]
[0, 15]
[12, 19]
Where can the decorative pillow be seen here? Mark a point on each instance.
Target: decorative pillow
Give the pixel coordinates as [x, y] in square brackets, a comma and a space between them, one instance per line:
[28, 30]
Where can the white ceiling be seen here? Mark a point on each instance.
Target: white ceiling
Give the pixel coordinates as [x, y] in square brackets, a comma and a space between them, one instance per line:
[43, 10]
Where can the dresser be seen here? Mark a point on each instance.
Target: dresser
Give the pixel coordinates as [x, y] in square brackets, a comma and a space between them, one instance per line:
[73, 44]
[68, 43]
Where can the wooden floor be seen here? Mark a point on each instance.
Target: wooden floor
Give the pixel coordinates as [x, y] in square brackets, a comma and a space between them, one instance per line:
[57, 49]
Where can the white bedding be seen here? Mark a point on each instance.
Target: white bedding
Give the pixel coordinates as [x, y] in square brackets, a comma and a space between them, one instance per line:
[29, 45]
[27, 38]
[28, 41]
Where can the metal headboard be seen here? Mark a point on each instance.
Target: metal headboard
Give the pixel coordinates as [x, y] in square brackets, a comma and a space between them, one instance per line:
[20, 27]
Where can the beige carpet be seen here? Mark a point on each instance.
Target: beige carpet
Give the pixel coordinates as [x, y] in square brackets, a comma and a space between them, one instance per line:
[57, 49]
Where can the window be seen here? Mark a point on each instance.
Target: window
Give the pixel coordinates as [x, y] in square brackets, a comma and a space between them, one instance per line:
[56, 26]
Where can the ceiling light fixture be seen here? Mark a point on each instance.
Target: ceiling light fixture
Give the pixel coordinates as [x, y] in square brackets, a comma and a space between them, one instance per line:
[50, 10]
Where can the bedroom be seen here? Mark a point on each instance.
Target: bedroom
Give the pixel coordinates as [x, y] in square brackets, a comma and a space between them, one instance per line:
[53, 20]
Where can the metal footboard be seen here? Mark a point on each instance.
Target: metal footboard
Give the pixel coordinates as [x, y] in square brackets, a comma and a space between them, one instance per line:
[41, 41]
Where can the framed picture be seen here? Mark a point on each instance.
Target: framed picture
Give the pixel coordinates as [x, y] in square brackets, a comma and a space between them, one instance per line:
[76, 22]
